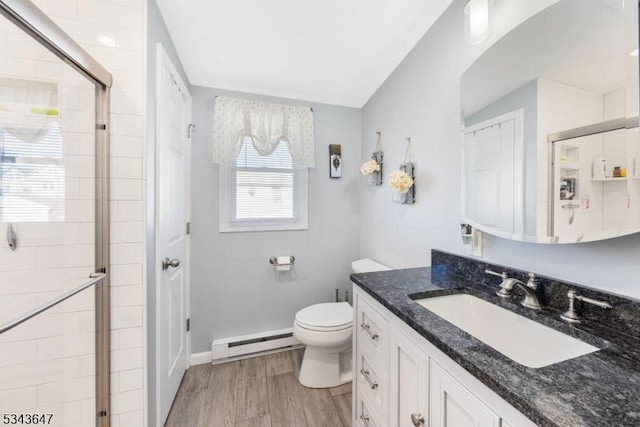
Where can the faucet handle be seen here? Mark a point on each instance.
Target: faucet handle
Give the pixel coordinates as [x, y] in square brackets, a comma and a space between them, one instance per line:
[571, 315]
[533, 281]
[503, 275]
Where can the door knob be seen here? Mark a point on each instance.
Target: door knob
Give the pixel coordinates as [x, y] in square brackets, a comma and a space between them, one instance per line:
[166, 263]
[417, 419]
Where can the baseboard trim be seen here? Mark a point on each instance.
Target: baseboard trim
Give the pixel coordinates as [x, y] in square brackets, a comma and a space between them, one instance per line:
[200, 358]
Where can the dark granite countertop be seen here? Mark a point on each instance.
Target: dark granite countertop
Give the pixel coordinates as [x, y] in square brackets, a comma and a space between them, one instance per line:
[599, 389]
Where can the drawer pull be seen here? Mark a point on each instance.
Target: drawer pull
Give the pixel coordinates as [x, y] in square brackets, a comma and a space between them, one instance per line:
[367, 328]
[417, 419]
[365, 419]
[365, 373]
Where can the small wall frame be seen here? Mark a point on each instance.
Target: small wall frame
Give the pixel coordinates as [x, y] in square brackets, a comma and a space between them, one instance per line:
[335, 160]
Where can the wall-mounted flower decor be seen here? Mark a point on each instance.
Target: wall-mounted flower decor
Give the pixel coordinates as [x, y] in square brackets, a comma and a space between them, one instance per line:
[402, 181]
[369, 167]
[372, 169]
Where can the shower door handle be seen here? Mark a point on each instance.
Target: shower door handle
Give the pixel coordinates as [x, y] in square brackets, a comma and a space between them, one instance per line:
[166, 263]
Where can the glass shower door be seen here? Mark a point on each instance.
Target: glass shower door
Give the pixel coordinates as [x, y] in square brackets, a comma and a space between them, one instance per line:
[51, 233]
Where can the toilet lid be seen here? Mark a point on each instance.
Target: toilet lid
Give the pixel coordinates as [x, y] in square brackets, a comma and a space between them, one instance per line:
[331, 315]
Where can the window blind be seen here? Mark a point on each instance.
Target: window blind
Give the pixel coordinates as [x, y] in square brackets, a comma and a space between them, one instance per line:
[263, 188]
[32, 176]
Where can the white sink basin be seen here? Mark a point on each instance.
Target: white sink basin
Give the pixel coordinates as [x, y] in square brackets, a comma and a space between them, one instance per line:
[520, 339]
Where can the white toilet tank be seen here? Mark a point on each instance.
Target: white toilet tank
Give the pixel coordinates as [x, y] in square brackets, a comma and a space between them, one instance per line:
[367, 265]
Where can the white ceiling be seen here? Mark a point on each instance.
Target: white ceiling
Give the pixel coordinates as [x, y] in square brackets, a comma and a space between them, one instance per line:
[331, 51]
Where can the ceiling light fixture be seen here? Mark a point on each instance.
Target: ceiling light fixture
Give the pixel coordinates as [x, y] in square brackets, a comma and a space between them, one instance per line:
[477, 20]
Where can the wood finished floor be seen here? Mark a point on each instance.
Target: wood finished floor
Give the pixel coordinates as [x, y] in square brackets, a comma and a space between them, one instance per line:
[259, 392]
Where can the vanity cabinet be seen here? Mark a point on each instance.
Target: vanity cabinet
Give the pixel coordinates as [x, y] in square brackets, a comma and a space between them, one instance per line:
[402, 380]
[371, 367]
[452, 405]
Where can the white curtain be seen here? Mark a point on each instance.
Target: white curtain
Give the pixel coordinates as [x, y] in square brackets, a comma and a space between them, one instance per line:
[266, 124]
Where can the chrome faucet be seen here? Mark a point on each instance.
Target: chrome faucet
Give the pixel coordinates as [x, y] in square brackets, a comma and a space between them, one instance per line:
[530, 289]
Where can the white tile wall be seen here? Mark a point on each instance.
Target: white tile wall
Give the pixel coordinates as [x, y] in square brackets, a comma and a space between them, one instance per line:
[49, 359]
[613, 205]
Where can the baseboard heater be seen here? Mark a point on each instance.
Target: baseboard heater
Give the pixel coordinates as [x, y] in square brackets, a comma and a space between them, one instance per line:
[237, 347]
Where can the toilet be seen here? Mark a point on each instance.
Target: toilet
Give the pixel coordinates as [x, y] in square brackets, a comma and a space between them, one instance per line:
[326, 329]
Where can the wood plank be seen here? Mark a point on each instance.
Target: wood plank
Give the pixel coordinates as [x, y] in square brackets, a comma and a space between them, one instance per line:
[185, 411]
[264, 421]
[341, 389]
[195, 379]
[343, 404]
[252, 401]
[280, 363]
[254, 366]
[296, 357]
[285, 404]
[319, 408]
[219, 406]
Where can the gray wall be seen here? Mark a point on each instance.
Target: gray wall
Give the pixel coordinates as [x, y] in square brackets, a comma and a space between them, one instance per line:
[156, 33]
[233, 288]
[421, 99]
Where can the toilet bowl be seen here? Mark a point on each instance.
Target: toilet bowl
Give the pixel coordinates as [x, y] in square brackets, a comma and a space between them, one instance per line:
[326, 331]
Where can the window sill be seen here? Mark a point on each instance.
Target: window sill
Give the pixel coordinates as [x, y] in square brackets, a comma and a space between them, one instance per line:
[240, 227]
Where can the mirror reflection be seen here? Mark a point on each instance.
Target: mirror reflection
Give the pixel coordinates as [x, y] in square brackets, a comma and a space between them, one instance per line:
[528, 173]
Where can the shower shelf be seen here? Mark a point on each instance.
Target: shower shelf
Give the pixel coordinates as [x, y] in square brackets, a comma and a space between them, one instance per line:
[624, 178]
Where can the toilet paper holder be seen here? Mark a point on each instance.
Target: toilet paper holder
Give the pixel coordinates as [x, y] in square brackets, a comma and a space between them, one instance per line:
[274, 261]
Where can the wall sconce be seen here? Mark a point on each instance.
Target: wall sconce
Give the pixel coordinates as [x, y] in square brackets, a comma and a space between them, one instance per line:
[477, 20]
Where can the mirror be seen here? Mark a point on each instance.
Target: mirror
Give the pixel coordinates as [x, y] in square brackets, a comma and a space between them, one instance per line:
[551, 145]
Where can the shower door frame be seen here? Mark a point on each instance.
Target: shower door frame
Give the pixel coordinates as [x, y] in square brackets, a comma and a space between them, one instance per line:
[41, 28]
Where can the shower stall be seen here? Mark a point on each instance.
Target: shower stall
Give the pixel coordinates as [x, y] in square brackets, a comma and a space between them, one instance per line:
[54, 225]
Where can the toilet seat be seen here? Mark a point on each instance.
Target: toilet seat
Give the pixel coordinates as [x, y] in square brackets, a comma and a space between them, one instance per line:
[326, 317]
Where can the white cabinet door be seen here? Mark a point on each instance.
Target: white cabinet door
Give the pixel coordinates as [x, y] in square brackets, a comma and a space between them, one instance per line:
[452, 405]
[409, 379]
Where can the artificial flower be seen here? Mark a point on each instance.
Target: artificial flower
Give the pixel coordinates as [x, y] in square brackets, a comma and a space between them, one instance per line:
[369, 167]
[400, 181]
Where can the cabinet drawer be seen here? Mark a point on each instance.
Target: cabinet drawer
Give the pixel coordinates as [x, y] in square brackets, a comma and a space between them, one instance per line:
[374, 382]
[372, 334]
[365, 415]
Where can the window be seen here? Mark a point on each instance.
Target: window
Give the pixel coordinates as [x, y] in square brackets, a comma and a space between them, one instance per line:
[261, 193]
[32, 176]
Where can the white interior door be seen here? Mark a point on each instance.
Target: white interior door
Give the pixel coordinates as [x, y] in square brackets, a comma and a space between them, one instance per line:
[172, 189]
[493, 175]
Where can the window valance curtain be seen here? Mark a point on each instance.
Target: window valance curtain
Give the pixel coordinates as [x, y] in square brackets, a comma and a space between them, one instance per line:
[267, 124]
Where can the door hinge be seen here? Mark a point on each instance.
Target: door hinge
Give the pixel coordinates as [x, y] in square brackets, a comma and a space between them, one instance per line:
[190, 128]
[101, 126]
[102, 413]
[188, 325]
[188, 228]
